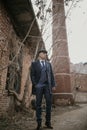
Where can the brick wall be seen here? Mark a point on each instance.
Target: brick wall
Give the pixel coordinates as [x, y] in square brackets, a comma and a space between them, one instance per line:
[4, 32]
[9, 47]
[79, 86]
[10, 43]
[8, 38]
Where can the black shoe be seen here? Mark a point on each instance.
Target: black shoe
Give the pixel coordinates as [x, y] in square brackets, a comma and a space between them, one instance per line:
[38, 126]
[48, 125]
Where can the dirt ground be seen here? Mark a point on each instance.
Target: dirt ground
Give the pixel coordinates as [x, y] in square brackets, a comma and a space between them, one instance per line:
[63, 118]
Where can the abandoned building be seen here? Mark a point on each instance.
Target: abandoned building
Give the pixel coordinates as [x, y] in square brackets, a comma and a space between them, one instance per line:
[79, 82]
[19, 33]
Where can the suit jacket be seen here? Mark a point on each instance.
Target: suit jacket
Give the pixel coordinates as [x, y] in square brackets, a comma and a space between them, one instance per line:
[35, 74]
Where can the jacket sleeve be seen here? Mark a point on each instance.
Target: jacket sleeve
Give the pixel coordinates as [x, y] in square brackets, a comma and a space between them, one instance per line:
[52, 77]
[32, 74]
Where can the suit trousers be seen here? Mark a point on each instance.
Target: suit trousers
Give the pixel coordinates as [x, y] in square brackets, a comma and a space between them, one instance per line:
[40, 91]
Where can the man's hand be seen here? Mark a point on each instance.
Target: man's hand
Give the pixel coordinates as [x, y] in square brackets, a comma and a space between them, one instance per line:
[54, 88]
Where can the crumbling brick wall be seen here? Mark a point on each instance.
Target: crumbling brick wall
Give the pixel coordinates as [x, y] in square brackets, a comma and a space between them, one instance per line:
[79, 86]
[4, 32]
[14, 72]
[9, 47]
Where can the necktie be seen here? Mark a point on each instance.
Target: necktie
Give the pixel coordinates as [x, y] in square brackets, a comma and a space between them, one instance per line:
[42, 63]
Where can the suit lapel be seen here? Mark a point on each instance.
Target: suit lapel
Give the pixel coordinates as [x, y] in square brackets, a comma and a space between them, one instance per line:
[47, 66]
[38, 64]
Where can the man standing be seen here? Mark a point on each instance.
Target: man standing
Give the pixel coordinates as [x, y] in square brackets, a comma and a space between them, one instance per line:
[43, 84]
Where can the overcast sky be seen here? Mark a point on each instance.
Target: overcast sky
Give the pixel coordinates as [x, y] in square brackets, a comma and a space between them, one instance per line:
[77, 32]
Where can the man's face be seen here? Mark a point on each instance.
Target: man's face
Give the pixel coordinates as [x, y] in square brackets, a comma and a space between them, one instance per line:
[43, 55]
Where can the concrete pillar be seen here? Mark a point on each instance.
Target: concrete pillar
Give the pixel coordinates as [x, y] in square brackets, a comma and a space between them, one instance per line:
[60, 57]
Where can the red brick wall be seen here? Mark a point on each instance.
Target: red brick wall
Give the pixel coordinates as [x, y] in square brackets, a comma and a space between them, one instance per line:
[79, 86]
[4, 34]
[8, 39]
[10, 44]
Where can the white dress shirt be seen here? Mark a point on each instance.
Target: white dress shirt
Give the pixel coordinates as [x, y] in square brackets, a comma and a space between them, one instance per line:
[42, 63]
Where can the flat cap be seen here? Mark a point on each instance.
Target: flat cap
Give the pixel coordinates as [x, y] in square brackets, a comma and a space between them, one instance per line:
[42, 50]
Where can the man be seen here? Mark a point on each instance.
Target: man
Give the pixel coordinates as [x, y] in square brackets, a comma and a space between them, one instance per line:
[43, 84]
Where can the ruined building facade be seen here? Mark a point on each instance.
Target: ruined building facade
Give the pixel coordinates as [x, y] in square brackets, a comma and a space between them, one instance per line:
[19, 34]
[79, 82]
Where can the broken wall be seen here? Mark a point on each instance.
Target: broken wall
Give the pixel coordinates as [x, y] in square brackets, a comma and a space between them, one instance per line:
[15, 60]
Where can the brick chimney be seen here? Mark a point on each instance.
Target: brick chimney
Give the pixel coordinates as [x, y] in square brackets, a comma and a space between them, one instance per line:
[60, 57]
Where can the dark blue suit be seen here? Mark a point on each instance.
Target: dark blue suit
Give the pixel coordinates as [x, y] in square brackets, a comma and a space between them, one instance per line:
[42, 80]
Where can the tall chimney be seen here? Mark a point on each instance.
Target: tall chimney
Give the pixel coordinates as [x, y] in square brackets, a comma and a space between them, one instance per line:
[60, 57]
